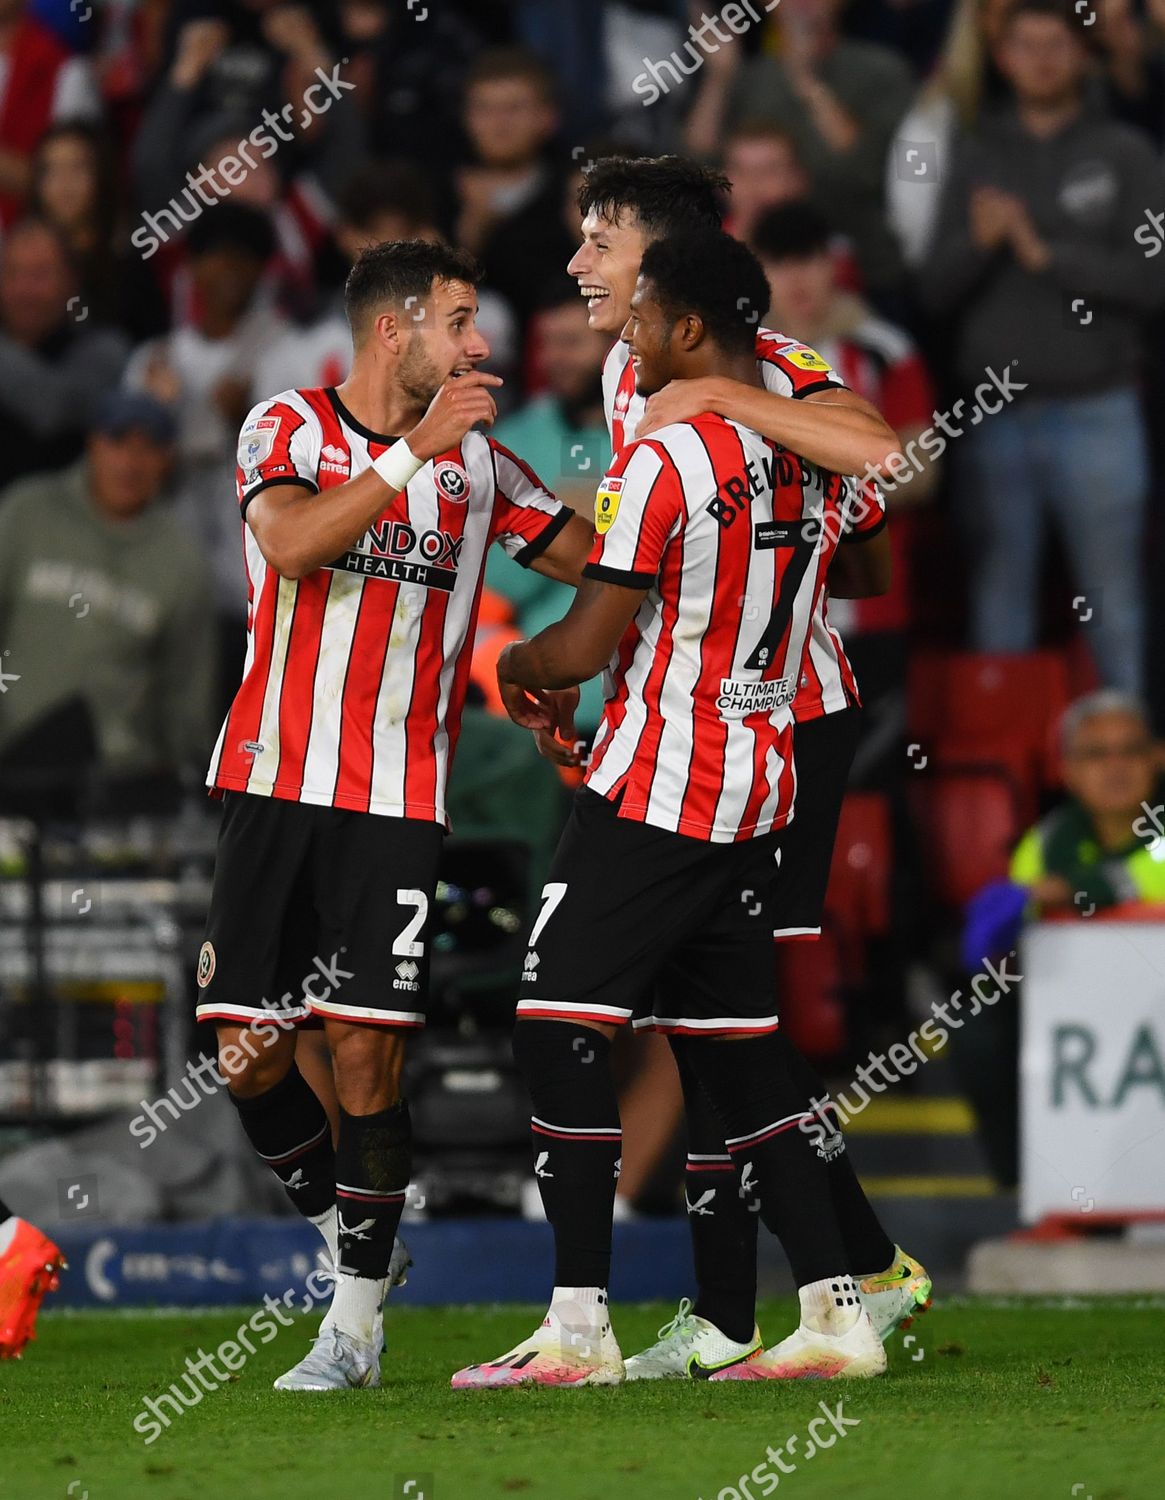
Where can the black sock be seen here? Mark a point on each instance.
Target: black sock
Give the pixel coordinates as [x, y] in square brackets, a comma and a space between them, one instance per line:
[374, 1158]
[723, 1229]
[288, 1128]
[867, 1244]
[577, 1142]
[761, 1110]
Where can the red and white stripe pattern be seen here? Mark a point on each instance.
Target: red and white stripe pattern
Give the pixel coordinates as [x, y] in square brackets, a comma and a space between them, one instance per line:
[369, 1197]
[788, 368]
[739, 1143]
[732, 537]
[355, 675]
[606, 1133]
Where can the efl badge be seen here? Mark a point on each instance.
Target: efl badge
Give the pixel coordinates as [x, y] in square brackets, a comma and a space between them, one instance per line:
[452, 480]
[806, 359]
[256, 441]
[607, 505]
[205, 965]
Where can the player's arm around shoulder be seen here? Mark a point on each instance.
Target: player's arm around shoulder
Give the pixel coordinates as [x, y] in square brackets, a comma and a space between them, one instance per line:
[298, 528]
[803, 405]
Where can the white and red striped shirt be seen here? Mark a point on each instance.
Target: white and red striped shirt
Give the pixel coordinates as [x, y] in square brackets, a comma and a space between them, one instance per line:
[732, 535]
[355, 675]
[788, 368]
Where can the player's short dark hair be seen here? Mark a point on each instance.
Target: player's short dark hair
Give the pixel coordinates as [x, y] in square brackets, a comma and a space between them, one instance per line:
[513, 62]
[791, 231]
[707, 272]
[393, 187]
[663, 194]
[386, 275]
[232, 226]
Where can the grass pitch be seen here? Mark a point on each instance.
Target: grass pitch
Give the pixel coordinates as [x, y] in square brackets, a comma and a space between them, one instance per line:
[992, 1399]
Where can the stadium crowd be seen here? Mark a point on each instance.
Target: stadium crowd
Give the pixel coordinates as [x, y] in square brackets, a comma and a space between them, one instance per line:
[959, 203]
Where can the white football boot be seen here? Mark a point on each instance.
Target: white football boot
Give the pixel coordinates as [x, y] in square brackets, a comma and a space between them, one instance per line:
[894, 1297]
[570, 1348]
[690, 1348]
[809, 1355]
[335, 1362]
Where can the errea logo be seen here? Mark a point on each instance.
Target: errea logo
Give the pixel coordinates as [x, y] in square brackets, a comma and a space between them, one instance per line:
[530, 965]
[407, 974]
[334, 460]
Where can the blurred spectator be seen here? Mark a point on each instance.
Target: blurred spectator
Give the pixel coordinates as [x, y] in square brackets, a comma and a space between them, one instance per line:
[965, 80]
[39, 83]
[74, 188]
[1036, 259]
[1133, 43]
[389, 201]
[409, 74]
[103, 600]
[761, 162]
[244, 71]
[205, 372]
[54, 362]
[839, 100]
[879, 361]
[1101, 847]
[510, 198]
[562, 435]
[1098, 849]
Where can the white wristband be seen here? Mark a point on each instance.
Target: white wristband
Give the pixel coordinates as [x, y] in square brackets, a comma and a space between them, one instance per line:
[398, 465]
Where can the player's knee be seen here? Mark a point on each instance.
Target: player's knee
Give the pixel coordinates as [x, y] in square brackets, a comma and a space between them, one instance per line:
[251, 1063]
[367, 1061]
[550, 1053]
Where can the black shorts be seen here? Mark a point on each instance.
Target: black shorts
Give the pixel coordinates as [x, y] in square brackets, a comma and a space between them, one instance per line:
[823, 751]
[668, 932]
[318, 913]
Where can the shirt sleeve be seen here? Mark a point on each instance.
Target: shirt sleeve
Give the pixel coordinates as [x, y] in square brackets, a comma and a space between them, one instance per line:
[792, 369]
[639, 507]
[277, 445]
[863, 512]
[527, 516]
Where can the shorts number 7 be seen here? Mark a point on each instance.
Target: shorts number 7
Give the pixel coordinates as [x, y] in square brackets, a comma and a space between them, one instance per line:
[552, 894]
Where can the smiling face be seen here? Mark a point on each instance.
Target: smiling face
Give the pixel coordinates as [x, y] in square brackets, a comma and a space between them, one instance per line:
[650, 333]
[439, 338]
[605, 266]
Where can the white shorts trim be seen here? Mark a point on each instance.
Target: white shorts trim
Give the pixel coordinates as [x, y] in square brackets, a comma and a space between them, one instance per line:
[795, 932]
[716, 1023]
[556, 1009]
[245, 1014]
[330, 1010]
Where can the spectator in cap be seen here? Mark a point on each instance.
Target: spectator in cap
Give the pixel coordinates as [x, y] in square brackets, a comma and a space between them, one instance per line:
[104, 600]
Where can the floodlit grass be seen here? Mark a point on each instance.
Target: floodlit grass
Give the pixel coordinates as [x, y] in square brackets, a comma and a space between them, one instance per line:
[1023, 1399]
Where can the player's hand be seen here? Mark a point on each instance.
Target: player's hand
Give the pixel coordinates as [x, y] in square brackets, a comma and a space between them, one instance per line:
[560, 743]
[527, 707]
[199, 43]
[679, 401]
[461, 402]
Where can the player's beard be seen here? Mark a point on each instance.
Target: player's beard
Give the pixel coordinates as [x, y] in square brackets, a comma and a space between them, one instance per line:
[418, 377]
